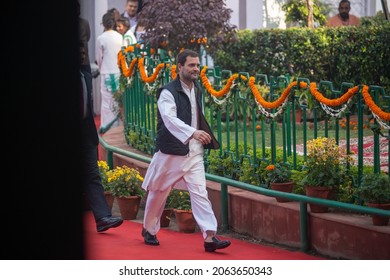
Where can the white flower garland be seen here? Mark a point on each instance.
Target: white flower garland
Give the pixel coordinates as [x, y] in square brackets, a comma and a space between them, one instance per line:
[335, 112]
[222, 101]
[272, 115]
[380, 121]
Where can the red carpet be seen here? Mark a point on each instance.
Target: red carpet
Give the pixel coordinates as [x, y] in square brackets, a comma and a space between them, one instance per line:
[126, 243]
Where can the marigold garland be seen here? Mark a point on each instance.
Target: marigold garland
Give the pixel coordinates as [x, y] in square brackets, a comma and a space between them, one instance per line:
[279, 101]
[127, 71]
[143, 74]
[173, 72]
[211, 90]
[373, 107]
[332, 102]
[129, 49]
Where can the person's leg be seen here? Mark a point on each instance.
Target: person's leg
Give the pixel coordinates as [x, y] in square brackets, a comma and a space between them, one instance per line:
[94, 191]
[195, 180]
[108, 115]
[202, 210]
[153, 210]
[205, 218]
[93, 187]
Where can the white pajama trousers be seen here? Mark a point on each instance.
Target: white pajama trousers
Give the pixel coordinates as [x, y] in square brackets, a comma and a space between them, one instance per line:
[200, 204]
[109, 107]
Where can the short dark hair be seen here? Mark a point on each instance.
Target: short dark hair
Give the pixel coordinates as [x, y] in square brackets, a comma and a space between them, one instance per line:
[345, 1]
[125, 21]
[108, 20]
[112, 10]
[182, 56]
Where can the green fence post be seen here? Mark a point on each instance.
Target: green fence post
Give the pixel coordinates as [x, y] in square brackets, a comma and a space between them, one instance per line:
[224, 207]
[303, 226]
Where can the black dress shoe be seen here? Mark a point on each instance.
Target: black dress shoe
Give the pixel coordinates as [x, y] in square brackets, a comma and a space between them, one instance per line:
[149, 239]
[106, 223]
[216, 244]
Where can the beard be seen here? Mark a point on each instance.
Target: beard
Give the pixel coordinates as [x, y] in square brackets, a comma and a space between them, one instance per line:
[344, 16]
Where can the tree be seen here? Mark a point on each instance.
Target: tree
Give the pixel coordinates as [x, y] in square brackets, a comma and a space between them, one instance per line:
[309, 5]
[306, 12]
[186, 24]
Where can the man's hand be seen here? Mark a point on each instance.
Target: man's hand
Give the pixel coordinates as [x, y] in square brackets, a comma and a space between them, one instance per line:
[202, 136]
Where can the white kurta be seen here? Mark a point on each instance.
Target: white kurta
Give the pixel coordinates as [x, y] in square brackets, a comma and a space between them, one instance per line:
[185, 172]
[108, 44]
[166, 170]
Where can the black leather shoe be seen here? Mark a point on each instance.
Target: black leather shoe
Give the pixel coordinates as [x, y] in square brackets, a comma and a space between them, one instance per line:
[106, 223]
[216, 244]
[149, 239]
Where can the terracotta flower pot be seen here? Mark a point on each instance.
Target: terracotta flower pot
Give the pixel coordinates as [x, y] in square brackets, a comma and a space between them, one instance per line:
[110, 199]
[378, 220]
[165, 218]
[129, 206]
[319, 192]
[185, 220]
[282, 187]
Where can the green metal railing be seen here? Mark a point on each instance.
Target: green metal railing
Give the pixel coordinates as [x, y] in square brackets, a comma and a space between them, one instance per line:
[226, 182]
[247, 137]
[235, 121]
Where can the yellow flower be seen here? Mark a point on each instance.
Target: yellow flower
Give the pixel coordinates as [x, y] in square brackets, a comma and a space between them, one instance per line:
[325, 162]
[125, 181]
[179, 199]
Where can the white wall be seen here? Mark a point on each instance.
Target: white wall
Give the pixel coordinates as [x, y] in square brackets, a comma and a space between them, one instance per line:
[233, 4]
[254, 12]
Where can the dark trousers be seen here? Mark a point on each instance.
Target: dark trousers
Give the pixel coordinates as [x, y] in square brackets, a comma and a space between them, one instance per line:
[92, 183]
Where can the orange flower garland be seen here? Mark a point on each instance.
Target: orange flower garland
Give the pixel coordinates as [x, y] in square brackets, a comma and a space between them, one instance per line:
[332, 102]
[127, 71]
[142, 72]
[279, 101]
[209, 88]
[373, 107]
[129, 49]
[173, 72]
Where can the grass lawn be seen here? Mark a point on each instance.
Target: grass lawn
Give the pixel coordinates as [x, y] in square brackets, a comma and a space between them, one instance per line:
[301, 133]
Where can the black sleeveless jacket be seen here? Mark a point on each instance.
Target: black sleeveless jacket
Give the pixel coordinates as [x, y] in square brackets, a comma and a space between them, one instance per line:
[165, 141]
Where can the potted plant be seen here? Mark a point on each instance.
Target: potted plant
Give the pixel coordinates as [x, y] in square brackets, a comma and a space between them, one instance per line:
[125, 183]
[375, 191]
[324, 169]
[103, 169]
[181, 203]
[278, 178]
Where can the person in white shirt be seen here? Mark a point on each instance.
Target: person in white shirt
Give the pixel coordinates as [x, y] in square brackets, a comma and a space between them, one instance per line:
[130, 12]
[108, 44]
[182, 135]
[123, 27]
